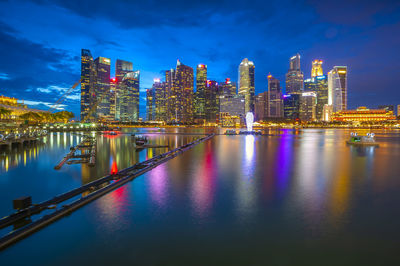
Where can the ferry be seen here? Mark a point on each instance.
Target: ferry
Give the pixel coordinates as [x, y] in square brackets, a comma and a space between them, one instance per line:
[230, 132]
[140, 140]
[368, 140]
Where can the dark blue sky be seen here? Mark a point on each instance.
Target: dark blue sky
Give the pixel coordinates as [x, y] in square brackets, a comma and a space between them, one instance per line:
[40, 42]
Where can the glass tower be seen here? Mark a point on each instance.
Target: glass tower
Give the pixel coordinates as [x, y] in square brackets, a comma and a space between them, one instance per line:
[294, 77]
[246, 83]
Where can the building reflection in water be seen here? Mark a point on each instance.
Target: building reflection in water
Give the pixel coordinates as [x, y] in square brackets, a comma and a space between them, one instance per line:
[159, 185]
[203, 182]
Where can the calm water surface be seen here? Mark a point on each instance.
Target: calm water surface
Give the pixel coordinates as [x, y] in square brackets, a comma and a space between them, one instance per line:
[291, 198]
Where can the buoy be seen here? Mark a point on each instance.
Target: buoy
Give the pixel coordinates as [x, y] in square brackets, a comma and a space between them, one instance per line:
[114, 168]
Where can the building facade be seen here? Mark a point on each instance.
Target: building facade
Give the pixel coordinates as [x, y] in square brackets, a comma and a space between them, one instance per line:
[199, 99]
[150, 104]
[122, 67]
[291, 106]
[160, 100]
[211, 101]
[308, 104]
[102, 88]
[246, 83]
[316, 69]
[294, 77]
[261, 106]
[87, 84]
[319, 85]
[129, 97]
[363, 114]
[337, 88]
[275, 102]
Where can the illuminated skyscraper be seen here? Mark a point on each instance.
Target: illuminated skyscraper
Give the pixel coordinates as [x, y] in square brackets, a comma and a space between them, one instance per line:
[87, 83]
[228, 87]
[180, 93]
[261, 106]
[291, 106]
[211, 106]
[275, 106]
[319, 85]
[246, 83]
[337, 88]
[308, 104]
[294, 77]
[102, 87]
[160, 100]
[316, 69]
[121, 69]
[150, 104]
[201, 83]
[129, 97]
[113, 98]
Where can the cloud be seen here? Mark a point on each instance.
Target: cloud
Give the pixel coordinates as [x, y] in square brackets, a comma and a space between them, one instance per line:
[44, 105]
[4, 76]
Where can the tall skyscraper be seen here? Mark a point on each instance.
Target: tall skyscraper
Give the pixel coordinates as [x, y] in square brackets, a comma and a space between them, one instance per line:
[129, 97]
[102, 87]
[228, 87]
[201, 83]
[160, 100]
[150, 104]
[261, 106]
[275, 109]
[121, 69]
[319, 85]
[291, 106]
[316, 69]
[246, 83]
[87, 83]
[180, 93]
[211, 106]
[337, 88]
[294, 77]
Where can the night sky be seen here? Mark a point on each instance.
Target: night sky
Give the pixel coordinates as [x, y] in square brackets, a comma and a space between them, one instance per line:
[40, 42]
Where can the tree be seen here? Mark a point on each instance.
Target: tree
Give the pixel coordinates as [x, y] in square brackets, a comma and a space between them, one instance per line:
[63, 116]
[4, 112]
[31, 116]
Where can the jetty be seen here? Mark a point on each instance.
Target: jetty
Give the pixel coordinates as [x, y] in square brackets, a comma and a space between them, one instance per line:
[84, 152]
[78, 197]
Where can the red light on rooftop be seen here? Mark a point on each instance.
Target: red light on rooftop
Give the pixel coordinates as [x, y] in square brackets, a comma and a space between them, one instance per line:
[113, 80]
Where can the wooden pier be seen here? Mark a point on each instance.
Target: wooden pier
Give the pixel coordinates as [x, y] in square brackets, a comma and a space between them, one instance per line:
[91, 191]
[87, 149]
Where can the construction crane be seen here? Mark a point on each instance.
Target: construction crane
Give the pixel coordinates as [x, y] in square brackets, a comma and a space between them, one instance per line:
[63, 97]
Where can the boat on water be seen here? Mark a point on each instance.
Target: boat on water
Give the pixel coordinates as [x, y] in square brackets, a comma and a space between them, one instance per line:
[230, 132]
[368, 140]
[140, 140]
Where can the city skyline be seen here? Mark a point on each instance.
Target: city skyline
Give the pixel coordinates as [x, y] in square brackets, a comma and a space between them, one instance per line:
[41, 64]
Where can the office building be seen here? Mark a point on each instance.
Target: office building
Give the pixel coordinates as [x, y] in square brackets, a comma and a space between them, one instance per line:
[316, 69]
[211, 101]
[102, 88]
[275, 105]
[294, 77]
[319, 85]
[129, 97]
[291, 106]
[160, 107]
[308, 104]
[121, 69]
[87, 84]
[228, 87]
[180, 94]
[246, 83]
[199, 99]
[337, 88]
[261, 106]
[150, 104]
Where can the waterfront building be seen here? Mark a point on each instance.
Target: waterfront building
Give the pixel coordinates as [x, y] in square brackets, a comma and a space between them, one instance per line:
[294, 77]
[199, 99]
[308, 104]
[122, 67]
[159, 100]
[246, 83]
[150, 104]
[337, 88]
[87, 83]
[363, 114]
[231, 109]
[211, 101]
[319, 85]
[102, 88]
[17, 107]
[275, 102]
[291, 106]
[129, 97]
[113, 98]
[228, 87]
[180, 94]
[316, 69]
[261, 106]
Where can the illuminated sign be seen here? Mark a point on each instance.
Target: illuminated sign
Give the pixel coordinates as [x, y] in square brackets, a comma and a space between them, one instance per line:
[309, 94]
[287, 95]
[342, 71]
[322, 77]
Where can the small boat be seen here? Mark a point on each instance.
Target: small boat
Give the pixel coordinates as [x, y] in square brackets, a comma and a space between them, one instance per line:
[368, 140]
[140, 140]
[230, 132]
